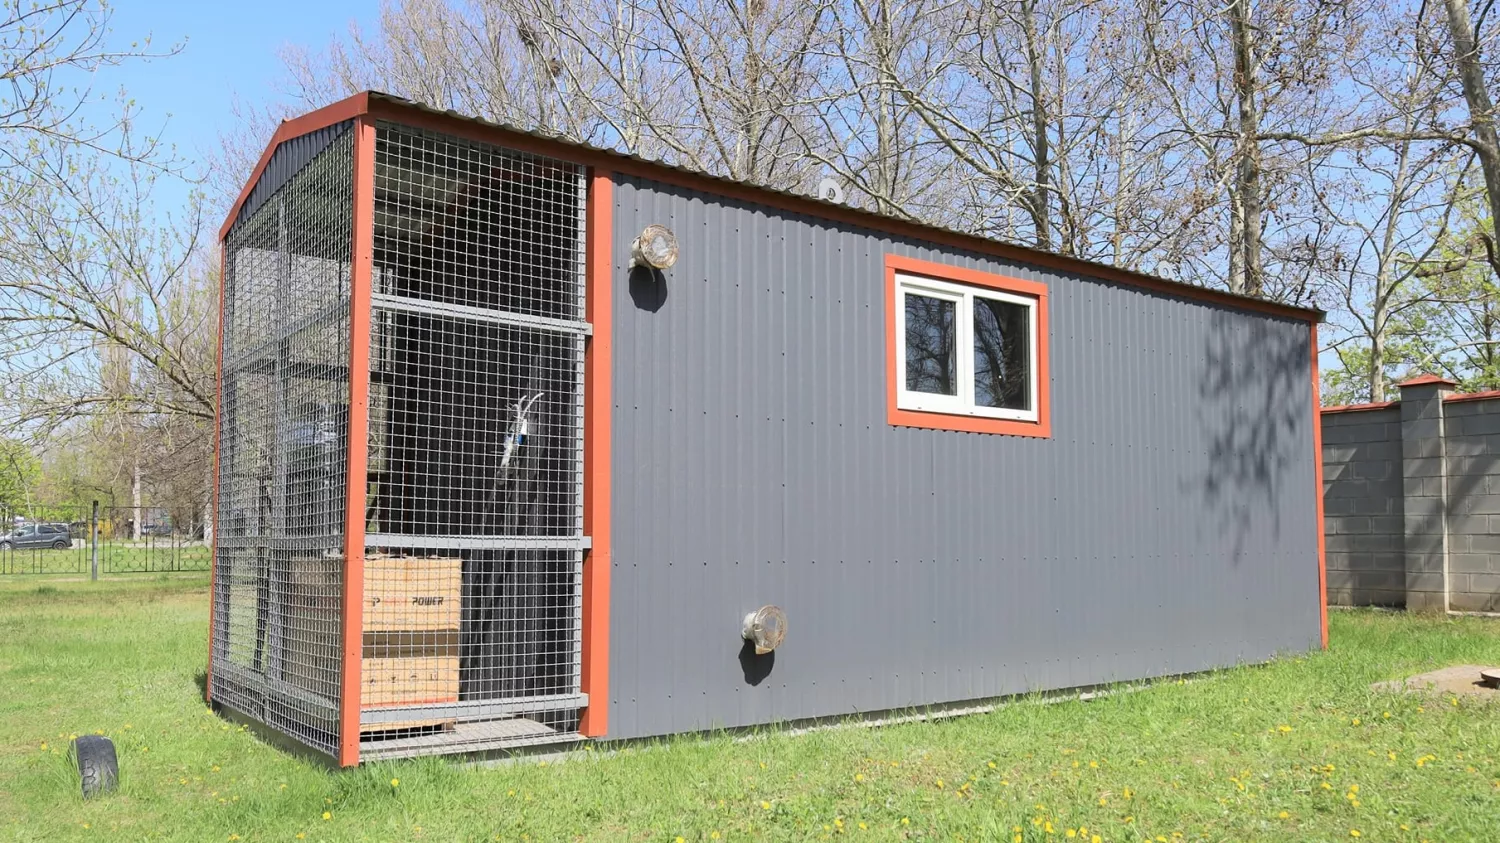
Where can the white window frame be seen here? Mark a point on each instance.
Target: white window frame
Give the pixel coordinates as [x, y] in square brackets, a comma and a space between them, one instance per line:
[961, 404]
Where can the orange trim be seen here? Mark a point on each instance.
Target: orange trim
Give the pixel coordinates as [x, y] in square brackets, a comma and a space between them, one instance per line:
[208, 684]
[1361, 408]
[596, 455]
[345, 109]
[362, 271]
[1042, 427]
[1470, 396]
[600, 160]
[1318, 479]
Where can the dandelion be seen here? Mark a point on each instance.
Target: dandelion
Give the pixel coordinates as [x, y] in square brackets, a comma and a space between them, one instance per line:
[713, 835]
[1093, 765]
[1096, 839]
[1127, 793]
[940, 784]
[838, 822]
[1420, 709]
[1283, 815]
[906, 820]
[1072, 832]
[215, 769]
[862, 826]
[1386, 715]
[680, 839]
[1047, 827]
[1354, 788]
[327, 816]
[992, 765]
[1354, 832]
[1391, 756]
[859, 777]
[301, 836]
[1283, 728]
[1354, 722]
[44, 746]
[1103, 801]
[234, 837]
[395, 782]
[1016, 839]
[1327, 786]
[764, 805]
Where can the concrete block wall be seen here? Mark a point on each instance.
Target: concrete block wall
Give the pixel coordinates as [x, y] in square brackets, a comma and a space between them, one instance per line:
[1412, 500]
[1362, 508]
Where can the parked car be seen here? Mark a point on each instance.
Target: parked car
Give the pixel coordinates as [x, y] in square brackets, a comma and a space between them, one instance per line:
[55, 536]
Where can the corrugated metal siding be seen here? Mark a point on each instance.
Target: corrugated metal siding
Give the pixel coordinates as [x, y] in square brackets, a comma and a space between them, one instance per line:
[291, 156]
[1167, 525]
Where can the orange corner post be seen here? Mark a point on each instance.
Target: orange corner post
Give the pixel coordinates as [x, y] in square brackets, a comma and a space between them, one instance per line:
[213, 558]
[1317, 418]
[363, 259]
[596, 454]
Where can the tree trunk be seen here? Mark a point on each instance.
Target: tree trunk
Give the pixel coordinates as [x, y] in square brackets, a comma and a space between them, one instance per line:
[1040, 193]
[1377, 364]
[1247, 175]
[1481, 112]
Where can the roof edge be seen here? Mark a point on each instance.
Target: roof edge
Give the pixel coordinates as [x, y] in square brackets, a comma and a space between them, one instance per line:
[345, 109]
[398, 109]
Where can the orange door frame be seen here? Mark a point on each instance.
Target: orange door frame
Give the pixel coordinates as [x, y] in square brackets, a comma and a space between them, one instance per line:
[362, 270]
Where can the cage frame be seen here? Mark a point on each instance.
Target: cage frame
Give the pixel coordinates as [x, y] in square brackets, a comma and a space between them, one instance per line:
[365, 111]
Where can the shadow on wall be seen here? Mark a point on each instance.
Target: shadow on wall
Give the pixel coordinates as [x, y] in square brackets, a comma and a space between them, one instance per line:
[1254, 408]
[648, 288]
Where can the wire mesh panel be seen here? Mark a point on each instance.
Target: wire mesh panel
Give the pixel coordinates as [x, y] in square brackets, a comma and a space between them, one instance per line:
[283, 429]
[474, 513]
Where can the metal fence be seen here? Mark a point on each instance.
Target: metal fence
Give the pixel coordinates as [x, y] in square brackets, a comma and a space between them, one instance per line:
[95, 541]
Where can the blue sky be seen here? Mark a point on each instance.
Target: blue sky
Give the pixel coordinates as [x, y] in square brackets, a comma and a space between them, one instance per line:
[229, 48]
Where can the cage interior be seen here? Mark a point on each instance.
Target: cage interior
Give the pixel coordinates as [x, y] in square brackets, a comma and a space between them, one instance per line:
[473, 521]
[474, 537]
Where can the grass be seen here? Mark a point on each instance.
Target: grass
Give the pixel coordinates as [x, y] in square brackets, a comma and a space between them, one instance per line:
[1298, 749]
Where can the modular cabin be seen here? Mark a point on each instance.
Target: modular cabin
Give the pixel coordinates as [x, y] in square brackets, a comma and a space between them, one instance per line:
[526, 442]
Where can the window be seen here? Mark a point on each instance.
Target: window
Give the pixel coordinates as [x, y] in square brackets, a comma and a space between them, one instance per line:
[967, 350]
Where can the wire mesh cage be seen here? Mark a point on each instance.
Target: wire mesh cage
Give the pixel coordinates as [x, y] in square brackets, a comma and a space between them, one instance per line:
[473, 538]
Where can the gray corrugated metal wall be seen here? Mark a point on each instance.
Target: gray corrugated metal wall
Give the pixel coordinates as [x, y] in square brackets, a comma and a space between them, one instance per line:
[292, 155]
[1168, 524]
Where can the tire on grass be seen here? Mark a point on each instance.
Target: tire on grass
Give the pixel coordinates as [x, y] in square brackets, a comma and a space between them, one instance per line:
[60, 544]
[98, 767]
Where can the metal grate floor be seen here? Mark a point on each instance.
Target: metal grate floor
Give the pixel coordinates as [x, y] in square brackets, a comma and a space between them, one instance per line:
[481, 736]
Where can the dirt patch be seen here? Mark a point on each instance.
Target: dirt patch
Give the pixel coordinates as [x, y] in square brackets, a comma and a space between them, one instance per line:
[1459, 680]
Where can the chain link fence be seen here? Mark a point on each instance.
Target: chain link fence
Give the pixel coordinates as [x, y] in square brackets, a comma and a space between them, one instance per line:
[98, 541]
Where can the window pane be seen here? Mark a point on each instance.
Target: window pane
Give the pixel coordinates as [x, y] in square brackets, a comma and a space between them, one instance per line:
[931, 345]
[1002, 351]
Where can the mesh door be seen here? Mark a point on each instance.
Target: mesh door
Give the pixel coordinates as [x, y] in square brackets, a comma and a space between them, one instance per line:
[282, 472]
[476, 435]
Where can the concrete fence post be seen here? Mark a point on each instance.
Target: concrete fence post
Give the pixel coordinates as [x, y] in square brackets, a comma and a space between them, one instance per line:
[94, 543]
[1424, 478]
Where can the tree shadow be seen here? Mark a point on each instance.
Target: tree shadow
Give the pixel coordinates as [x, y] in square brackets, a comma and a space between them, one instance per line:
[1255, 407]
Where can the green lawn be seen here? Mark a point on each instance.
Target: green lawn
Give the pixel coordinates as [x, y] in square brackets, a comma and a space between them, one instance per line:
[1297, 750]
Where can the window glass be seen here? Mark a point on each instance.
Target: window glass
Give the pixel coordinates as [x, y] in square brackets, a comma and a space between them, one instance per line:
[931, 345]
[1002, 346]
